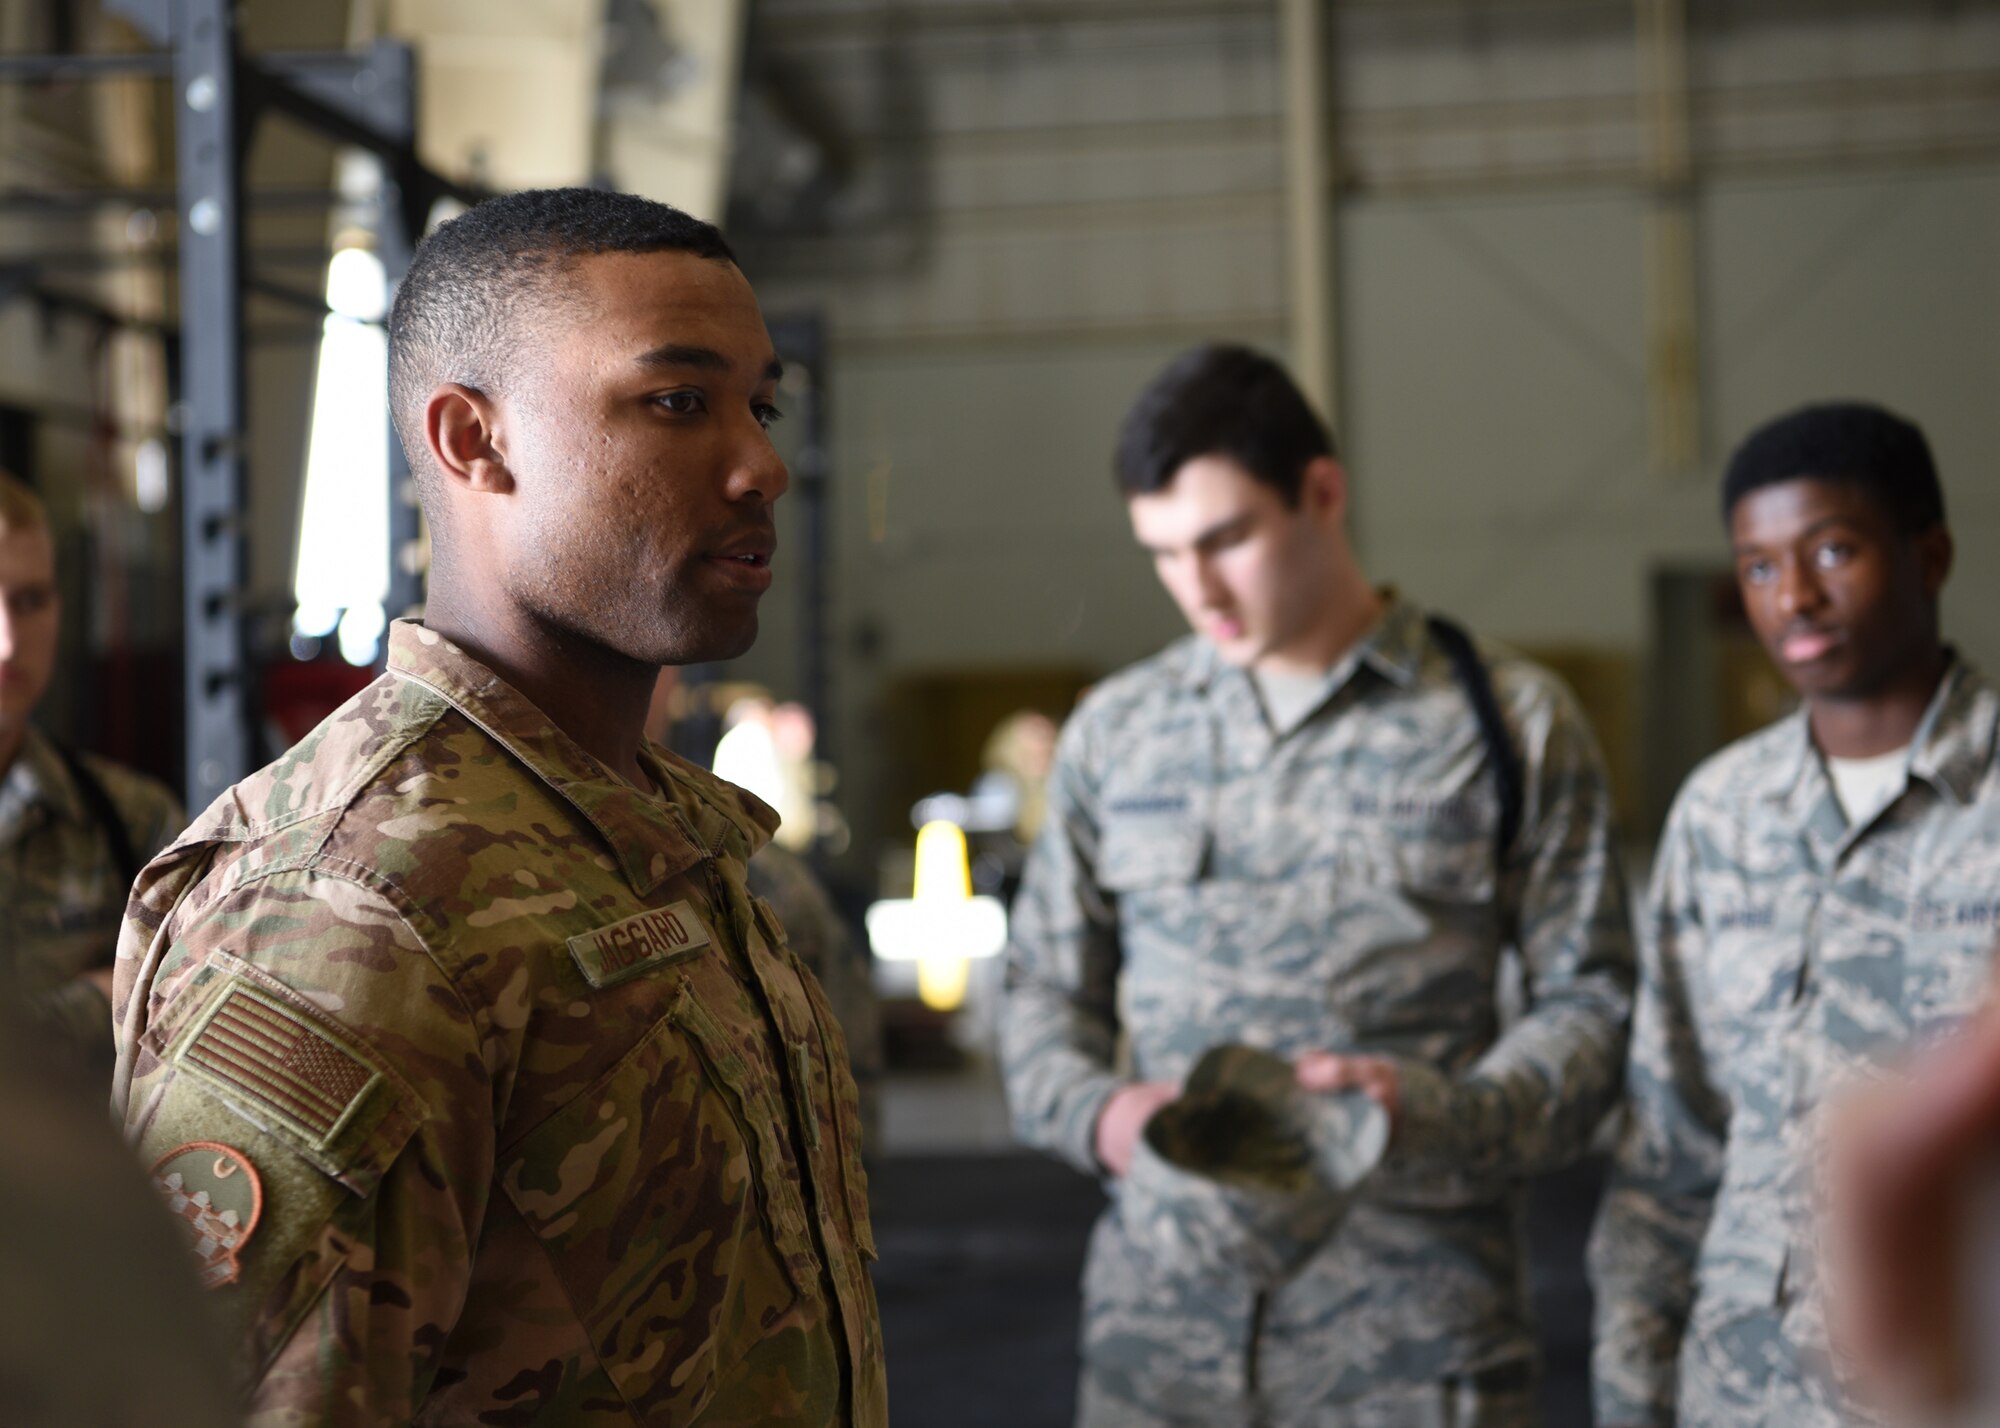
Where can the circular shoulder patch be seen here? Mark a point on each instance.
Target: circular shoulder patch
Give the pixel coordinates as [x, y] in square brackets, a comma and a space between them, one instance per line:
[213, 1190]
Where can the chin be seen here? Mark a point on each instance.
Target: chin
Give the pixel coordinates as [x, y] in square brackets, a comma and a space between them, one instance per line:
[719, 640]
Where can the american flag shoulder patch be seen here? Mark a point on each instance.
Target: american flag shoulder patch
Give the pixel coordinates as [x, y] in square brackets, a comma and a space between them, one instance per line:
[256, 1047]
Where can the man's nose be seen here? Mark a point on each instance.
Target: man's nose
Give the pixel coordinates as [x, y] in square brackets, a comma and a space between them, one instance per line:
[6, 632]
[1209, 585]
[760, 473]
[1799, 589]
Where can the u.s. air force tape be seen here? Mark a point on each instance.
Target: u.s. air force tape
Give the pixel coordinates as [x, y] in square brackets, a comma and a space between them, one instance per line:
[642, 943]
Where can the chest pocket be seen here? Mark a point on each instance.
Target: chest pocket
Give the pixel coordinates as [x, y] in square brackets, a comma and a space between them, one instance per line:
[672, 1232]
[1955, 931]
[1427, 862]
[1139, 853]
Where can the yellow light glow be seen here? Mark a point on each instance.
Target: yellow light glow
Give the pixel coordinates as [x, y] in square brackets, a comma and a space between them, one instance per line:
[941, 926]
[944, 871]
[941, 981]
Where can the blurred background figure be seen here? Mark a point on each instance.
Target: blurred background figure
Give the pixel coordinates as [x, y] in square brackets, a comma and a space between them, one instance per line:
[1824, 899]
[74, 829]
[1002, 812]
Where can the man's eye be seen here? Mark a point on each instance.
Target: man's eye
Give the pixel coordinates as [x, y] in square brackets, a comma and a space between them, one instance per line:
[768, 416]
[682, 403]
[1833, 553]
[1758, 572]
[30, 602]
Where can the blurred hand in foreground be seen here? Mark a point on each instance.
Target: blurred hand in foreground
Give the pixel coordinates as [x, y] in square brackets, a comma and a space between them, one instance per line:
[1911, 1168]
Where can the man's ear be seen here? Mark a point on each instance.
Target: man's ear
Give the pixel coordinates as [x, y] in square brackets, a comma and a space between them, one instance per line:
[1934, 549]
[1323, 487]
[462, 429]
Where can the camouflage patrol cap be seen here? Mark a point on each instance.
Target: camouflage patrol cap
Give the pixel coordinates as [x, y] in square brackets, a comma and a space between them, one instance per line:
[1246, 1174]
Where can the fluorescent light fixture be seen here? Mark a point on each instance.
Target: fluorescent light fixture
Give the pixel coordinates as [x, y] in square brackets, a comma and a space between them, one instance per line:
[342, 579]
[941, 926]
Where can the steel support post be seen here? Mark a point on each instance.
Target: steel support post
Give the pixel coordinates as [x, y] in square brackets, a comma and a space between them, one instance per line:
[801, 343]
[208, 144]
[1309, 255]
[392, 84]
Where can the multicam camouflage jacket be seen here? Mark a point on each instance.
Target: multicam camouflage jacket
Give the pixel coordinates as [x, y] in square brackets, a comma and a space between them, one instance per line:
[487, 1090]
[1785, 954]
[843, 965]
[1333, 885]
[62, 892]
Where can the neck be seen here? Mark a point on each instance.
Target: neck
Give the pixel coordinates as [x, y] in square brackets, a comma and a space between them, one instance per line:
[1352, 608]
[12, 737]
[595, 696]
[1882, 722]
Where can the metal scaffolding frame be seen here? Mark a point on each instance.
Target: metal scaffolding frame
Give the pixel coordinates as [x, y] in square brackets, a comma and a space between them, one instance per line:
[366, 100]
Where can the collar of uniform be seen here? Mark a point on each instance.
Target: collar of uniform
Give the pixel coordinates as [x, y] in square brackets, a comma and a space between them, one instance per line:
[1394, 648]
[652, 838]
[1954, 743]
[1793, 761]
[715, 805]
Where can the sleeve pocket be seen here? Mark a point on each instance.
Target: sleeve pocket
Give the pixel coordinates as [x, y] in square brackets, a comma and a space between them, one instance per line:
[311, 1111]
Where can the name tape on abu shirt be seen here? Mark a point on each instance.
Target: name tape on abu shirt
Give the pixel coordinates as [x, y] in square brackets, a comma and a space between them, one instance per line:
[643, 943]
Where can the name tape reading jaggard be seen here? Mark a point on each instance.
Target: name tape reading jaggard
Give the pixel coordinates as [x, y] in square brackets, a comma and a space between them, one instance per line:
[643, 943]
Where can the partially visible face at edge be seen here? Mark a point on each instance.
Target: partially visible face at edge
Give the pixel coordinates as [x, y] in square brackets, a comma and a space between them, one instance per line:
[1842, 600]
[30, 618]
[644, 471]
[1247, 570]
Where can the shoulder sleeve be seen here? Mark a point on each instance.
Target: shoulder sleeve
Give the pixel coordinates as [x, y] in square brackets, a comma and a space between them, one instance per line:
[1058, 1018]
[297, 1038]
[1669, 1160]
[1535, 1099]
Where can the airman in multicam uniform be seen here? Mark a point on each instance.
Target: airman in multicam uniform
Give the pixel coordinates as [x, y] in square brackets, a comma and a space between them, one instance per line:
[1826, 897]
[1285, 832]
[73, 827]
[486, 1089]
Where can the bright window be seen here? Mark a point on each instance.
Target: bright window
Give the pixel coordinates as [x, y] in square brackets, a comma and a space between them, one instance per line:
[343, 572]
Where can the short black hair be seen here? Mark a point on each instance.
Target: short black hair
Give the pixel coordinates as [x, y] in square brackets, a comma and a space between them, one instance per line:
[456, 310]
[1851, 442]
[1220, 400]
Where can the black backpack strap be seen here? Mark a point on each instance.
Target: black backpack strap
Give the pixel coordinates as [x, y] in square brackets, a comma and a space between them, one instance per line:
[104, 812]
[1473, 678]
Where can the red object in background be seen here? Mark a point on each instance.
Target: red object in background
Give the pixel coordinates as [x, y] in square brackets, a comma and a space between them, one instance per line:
[298, 694]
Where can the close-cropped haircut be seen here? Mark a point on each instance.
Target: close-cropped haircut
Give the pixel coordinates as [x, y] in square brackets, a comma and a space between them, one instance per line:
[20, 508]
[457, 314]
[1220, 400]
[1854, 443]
